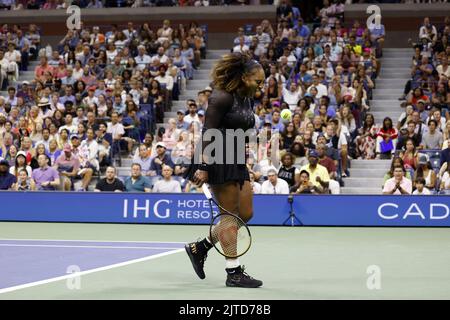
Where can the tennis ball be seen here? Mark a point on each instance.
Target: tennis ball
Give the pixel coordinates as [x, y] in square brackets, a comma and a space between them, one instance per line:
[286, 115]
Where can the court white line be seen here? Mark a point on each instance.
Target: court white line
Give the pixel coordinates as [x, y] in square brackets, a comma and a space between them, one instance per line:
[62, 240]
[82, 273]
[89, 247]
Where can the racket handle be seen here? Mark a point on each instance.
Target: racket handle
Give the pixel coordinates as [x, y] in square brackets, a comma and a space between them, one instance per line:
[206, 191]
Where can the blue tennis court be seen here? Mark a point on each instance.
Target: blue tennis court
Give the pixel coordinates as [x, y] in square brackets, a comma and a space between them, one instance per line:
[27, 263]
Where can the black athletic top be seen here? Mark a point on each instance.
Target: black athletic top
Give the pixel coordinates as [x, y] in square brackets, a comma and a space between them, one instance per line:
[227, 111]
[102, 185]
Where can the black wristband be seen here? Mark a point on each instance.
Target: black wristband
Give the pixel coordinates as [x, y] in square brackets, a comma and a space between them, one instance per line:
[203, 167]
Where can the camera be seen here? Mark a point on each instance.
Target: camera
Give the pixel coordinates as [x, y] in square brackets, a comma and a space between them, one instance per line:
[290, 198]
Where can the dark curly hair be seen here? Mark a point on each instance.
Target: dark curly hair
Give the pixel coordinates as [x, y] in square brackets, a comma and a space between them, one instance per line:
[227, 73]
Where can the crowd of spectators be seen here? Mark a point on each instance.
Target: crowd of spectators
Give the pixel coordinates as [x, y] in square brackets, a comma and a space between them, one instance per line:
[98, 96]
[421, 136]
[94, 99]
[98, 4]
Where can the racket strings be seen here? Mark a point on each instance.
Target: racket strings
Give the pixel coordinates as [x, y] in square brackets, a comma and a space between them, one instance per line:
[233, 239]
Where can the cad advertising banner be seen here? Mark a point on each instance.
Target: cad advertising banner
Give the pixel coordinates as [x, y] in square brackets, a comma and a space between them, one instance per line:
[187, 208]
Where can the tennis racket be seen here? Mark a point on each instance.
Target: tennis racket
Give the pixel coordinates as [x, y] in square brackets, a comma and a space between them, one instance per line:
[229, 234]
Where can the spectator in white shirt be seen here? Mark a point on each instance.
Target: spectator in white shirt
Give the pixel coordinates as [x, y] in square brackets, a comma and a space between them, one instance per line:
[70, 126]
[420, 187]
[293, 95]
[241, 47]
[427, 31]
[165, 79]
[163, 59]
[89, 148]
[115, 128]
[256, 187]
[167, 184]
[274, 185]
[321, 89]
[192, 115]
[142, 59]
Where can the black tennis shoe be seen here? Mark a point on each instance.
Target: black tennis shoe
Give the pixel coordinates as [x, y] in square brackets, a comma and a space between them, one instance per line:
[198, 255]
[237, 277]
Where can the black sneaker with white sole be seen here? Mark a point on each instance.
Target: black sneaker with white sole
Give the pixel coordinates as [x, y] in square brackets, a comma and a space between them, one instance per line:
[198, 256]
[237, 277]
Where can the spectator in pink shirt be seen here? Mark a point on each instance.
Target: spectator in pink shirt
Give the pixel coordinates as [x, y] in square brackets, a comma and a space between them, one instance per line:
[398, 184]
[67, 165]
[42, 68]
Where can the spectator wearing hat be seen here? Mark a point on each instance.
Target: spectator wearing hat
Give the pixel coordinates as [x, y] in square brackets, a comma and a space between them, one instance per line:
[180, 123]
[398, 184]
[432, 139]
[6, 179]
[207, 91]
[201, 118]
[20, 164]
[137, 182]
[45, 177]
[161, 158]
[90, 98]
[318, 174]
[110, 183]
[67, 166]
[167, 184]
[23, 92]
[45, 108]
[424, 170]
[274, 185]
[142, 59]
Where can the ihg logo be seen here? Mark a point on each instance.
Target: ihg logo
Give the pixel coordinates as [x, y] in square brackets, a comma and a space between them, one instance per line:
[74, 20]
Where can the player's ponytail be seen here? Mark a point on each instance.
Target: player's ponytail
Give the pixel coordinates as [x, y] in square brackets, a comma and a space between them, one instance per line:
[227, 73]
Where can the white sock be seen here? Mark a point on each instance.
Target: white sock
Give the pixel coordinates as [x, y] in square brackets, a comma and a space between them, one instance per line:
[232, 263]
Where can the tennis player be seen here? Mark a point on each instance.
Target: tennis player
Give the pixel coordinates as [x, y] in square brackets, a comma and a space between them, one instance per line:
[236, 77]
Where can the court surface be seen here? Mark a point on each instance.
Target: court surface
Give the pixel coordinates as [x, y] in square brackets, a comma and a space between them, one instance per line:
[38, 261]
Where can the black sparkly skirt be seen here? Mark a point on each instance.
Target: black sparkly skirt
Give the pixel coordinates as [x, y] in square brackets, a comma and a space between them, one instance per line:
[221, 173]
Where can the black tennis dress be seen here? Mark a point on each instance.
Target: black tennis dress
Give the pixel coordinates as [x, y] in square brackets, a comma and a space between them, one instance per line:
[226, 111]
